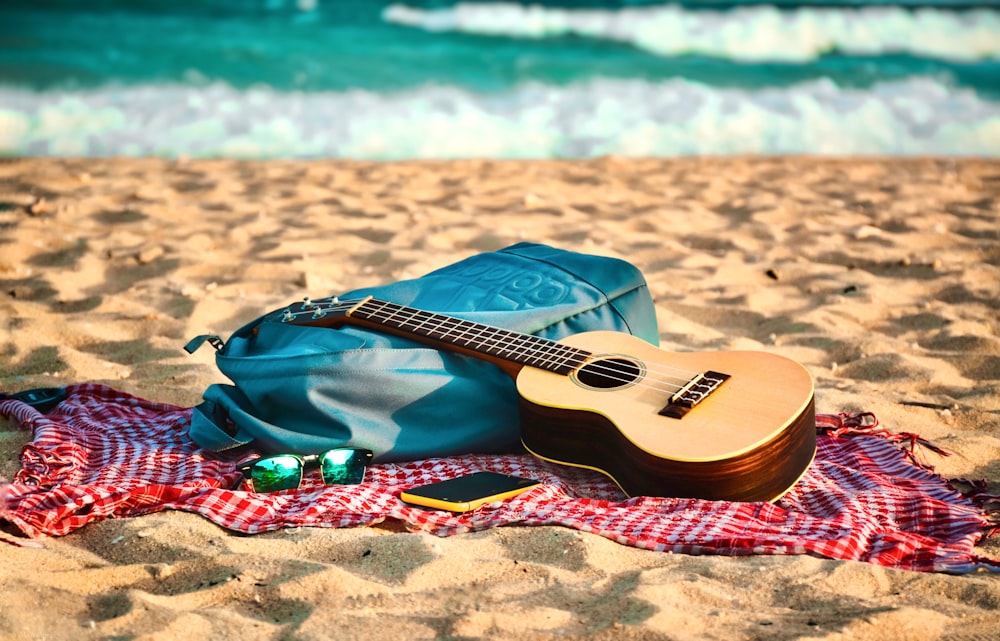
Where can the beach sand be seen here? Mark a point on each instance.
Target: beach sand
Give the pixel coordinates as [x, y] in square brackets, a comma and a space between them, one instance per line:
[882, 276]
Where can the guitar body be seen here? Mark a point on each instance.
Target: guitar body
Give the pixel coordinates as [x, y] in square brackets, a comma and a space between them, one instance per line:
[750, 439]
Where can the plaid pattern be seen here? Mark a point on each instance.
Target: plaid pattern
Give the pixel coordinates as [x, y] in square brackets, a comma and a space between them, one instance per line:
[103, 453]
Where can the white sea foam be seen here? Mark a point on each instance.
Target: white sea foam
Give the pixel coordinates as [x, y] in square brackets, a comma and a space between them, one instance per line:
[755, 33]
[625, 117]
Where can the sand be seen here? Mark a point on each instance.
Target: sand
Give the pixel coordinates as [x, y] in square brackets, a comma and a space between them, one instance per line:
[882, 276]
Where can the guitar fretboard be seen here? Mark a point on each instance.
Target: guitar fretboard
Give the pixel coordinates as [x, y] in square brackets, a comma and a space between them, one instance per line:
[511, 346]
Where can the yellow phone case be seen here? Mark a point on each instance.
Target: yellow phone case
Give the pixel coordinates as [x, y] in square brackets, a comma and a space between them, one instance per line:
[466, 493]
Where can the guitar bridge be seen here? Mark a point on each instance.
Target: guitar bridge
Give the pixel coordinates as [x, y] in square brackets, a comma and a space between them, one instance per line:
[695, 391]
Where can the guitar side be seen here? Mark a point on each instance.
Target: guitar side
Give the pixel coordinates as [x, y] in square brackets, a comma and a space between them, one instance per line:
[750, 439]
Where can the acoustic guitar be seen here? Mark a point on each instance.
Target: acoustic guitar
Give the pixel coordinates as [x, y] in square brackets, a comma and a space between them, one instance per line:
[736, 425]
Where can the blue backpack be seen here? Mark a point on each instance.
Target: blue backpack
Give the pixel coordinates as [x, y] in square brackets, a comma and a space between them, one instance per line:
[306, 389]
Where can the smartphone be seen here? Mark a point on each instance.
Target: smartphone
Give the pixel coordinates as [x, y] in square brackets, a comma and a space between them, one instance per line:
[43, 398]
[466, 493]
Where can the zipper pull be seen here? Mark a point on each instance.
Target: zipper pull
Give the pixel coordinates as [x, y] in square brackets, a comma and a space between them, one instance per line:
[195, 343]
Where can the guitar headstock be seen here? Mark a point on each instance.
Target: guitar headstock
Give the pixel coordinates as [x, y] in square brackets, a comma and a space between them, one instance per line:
[323, 312]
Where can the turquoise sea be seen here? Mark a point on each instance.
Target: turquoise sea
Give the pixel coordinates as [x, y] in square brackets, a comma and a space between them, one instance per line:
[547, 78]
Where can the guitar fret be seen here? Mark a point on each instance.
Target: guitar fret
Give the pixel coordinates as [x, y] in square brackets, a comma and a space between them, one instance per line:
[505, 344]
[416, 327]
[490, 339]
[546, 355]
[532, 355]
[480, 329]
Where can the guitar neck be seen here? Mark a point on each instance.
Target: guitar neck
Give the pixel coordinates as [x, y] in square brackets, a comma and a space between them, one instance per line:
[508, 349]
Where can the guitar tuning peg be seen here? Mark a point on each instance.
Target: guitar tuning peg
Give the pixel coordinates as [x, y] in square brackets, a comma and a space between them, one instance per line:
[319, 313]
[287, 316]
[335, 301]
[307, 303]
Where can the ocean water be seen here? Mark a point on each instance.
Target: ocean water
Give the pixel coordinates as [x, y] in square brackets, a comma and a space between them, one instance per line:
[547, 78]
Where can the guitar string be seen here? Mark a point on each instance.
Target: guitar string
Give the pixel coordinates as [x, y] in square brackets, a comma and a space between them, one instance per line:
[563, 354]
[558, 354]
[569, 356]
[447, 326]
[508, 344]
[563, 357]
[476, 336]
[612, 374]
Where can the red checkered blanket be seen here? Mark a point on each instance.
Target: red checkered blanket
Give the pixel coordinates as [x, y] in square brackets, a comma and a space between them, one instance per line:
[103, 453]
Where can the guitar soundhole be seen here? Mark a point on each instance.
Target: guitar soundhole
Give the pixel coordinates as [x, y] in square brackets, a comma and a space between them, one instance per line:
[609, 373]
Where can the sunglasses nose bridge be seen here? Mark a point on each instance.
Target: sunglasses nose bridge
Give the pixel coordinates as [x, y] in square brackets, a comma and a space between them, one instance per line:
[340, 466]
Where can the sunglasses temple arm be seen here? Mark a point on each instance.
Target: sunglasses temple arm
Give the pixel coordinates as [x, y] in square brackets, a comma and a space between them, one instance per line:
[245, 471]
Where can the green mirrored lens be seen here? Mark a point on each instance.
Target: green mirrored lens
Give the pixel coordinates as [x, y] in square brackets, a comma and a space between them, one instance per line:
[276, 473]
[343, 467]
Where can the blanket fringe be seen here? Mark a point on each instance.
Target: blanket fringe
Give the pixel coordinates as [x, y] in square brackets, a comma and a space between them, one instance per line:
[989, 504]
[846, 424]
[21, 543]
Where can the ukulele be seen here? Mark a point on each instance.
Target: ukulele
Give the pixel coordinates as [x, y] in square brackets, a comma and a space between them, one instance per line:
[736, 425]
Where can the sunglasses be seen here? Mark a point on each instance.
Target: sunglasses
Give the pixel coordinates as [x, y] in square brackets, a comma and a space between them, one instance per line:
[341, 466]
